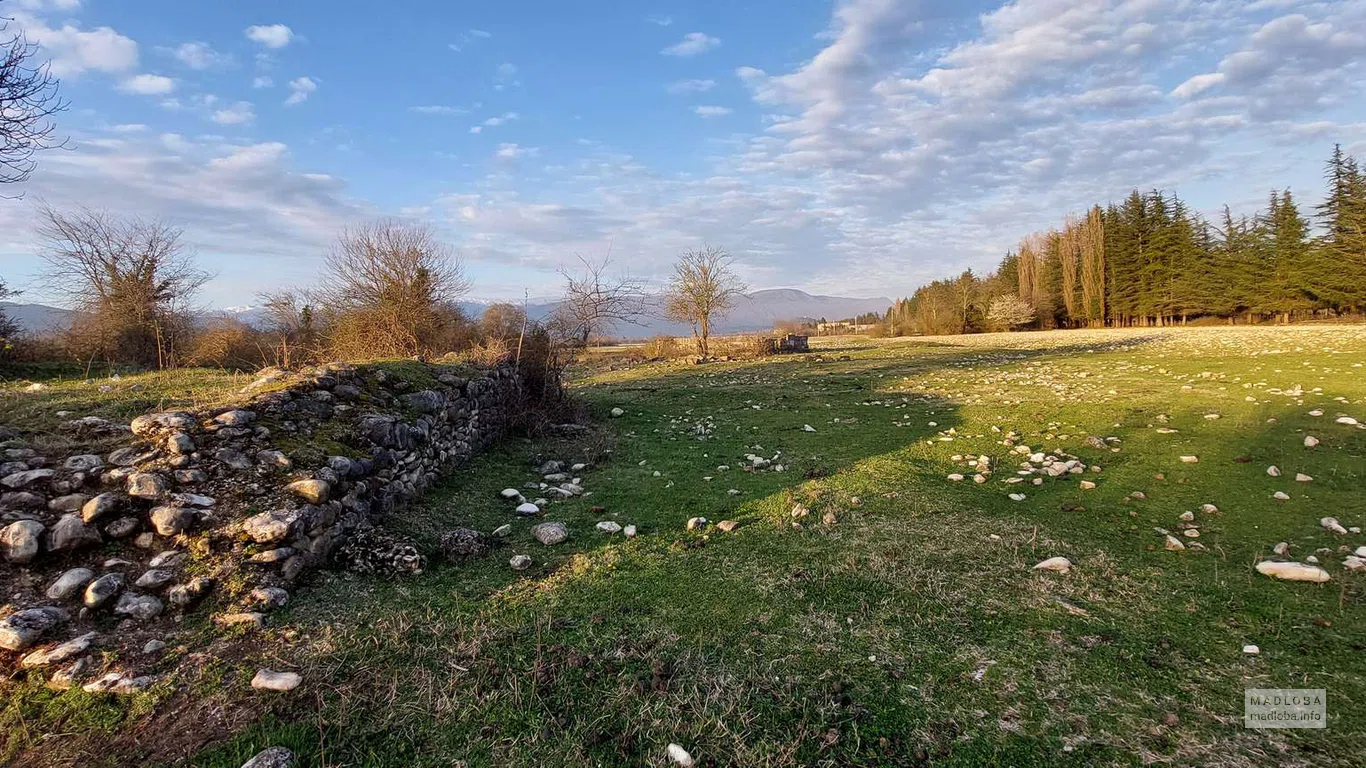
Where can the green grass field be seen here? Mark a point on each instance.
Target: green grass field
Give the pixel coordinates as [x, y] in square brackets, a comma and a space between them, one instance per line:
[899, 623]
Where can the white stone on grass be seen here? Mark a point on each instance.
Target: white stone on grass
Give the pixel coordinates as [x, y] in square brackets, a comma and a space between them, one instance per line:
[680, 756]
[1292, 571]
[271, 680]
[1055, 564]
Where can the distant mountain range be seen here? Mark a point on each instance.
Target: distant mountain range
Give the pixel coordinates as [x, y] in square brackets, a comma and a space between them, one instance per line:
[755, 311]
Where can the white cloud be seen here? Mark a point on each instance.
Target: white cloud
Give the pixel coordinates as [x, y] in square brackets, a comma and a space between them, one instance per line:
[262, 81]
[148, 85]
[255, 217]
[1197, 85]
[201, 56]
[270, 35]
[299, 90]
[692, 44]
[662, 21]
[495, 121]
[513, 151]
[464, 39]
[710, 110]
[692, 86]
[74, 50]
[239, 113]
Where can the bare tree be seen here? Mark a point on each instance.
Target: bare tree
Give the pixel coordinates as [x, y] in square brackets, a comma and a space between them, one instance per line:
[289, 320]
[704, 286]
[28, 103]
[393, 288]
[594, 301]
[131, 281]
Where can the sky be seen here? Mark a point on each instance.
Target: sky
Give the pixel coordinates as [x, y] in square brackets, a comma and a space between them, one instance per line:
[857, 148]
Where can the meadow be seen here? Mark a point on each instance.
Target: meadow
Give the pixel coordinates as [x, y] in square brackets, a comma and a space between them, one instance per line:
[875, 604]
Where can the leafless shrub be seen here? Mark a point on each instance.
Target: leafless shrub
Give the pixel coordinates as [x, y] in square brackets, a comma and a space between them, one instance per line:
[230, 344]
[663, 347]
[292, 336]
[391, 289]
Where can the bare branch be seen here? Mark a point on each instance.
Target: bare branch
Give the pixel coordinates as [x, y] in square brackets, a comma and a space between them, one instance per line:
[594, 301]
[29, 101]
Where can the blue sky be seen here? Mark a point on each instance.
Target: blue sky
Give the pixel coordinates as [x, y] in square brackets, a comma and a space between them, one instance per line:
[858, 147]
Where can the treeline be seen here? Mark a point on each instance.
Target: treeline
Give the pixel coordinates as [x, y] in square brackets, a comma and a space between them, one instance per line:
[387, 289]
[1152, 261]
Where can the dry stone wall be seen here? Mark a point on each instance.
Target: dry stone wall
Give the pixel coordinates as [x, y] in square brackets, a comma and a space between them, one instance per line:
[223, 510]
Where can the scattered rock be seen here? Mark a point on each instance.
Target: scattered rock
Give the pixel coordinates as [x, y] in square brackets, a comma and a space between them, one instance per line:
[680, 756]
[1292, 571]
[153, 423]
[617, 412]
[235, 418]
[22, 540]
[1174, 544]
[463, 543]
[527, 509]
[697, 523]
[102, 590]
[1251, 650]
[1310, 441]
[87, 462]
[70, 583]
[70, 533]
[274, 757]
[1332, 524]
[1055, 564]
[550, 533]
[22, 629]
[59, 653]
[609, 526]
[101, 505]
[191, 592]
[520, 562]
[727, 526]
[271, 680]
[27, 478]
[171, 521]
[269, 527]
[311, 491]
[146, 485]
[269, 598]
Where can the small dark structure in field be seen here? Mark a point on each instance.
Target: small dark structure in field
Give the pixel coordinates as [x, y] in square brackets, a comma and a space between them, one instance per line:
[788, 343]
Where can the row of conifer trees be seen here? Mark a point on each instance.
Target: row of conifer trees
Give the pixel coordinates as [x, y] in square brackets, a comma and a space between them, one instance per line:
[1150, 260]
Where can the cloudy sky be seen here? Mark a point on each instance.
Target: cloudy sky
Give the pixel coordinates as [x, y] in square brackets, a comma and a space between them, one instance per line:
[859, 147]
